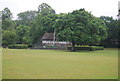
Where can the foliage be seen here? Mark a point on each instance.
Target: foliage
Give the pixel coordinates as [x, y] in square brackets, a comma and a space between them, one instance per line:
[45, 9]
[42, 24]
[93, 48]
[81, 27]
[25, 18]
[27, 40]
[6, 14]
[23, 33]
[112, 25]
[18, 46]
[37, 29]
[48, 22]
[8, 28]
[7, 23]
[89, 48]
[8, 37]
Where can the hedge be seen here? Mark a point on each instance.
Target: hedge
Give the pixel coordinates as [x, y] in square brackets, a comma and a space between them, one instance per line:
[97, 48]
[18, 46]
[89, 48]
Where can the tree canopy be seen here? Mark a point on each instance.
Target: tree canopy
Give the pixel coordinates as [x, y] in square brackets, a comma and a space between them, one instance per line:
[23, 33]
[113, 29]
[6, 14]
[7, 23]
[45, 9]
[9, 37]
[81, 27]
[26, 17]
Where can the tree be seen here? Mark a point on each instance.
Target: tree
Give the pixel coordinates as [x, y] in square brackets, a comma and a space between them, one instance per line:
[44, 22]
[37, 29]
[112, 25]
[48, 22]
[23, 33]
[24, 18]
[81, 27]
[45, 9]
[8, 37]
[41, 25]
[7, 23]
[6, 14]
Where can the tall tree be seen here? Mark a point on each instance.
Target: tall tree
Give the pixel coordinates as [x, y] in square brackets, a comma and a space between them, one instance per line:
[44, 22]
[6, 14]
[112, 25]
[37, 29]
[45, 9]
[81, 27]
[25, 18]
[7, 23]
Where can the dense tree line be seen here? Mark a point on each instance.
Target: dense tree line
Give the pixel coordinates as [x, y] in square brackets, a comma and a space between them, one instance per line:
[79, 27]
[82, 28]
[112, 24]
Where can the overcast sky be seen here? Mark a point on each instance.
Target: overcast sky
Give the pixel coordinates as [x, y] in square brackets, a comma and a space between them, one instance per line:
[97, 7]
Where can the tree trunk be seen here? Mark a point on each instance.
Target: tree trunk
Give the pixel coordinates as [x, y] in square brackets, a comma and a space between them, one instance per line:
[73, 47]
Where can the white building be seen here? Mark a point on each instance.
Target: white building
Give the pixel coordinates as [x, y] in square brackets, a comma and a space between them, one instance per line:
[49, 38]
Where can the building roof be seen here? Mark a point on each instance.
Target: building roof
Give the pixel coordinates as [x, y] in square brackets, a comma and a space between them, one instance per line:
[48, 36]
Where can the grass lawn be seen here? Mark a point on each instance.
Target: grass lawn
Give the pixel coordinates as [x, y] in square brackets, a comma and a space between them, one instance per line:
[59, 64]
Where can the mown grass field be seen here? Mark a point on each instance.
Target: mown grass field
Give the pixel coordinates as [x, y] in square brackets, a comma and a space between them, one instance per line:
[59, 64]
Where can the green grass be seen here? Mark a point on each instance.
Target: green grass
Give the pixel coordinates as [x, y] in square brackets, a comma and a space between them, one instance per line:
[59, 64]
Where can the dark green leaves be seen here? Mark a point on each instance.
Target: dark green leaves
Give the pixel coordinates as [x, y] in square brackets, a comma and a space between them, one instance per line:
[81, 27]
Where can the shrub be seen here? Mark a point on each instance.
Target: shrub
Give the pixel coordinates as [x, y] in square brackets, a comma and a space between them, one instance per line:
[89, 48]
[96, 48]
[18, 46]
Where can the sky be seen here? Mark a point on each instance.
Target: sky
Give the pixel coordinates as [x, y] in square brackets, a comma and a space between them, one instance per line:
[96, 7]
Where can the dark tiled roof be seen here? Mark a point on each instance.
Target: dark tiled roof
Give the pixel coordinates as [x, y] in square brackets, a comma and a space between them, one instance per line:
[48, 36]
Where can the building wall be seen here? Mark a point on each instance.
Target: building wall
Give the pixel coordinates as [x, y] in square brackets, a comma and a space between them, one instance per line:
[56, 42]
